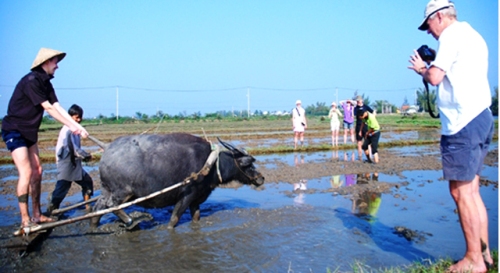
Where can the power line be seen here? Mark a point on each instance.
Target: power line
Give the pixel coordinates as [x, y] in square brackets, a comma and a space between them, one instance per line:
[229, 89]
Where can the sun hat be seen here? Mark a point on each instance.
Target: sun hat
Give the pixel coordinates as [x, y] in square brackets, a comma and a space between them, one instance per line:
[333, 103]
[432, 7]
[46, 54]
[298, 102]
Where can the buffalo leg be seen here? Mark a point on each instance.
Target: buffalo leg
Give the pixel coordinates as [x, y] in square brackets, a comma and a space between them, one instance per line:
[124, 217]
[195, 212]
[179, 209]
[100, 204]
[106, 202]
[174, 219]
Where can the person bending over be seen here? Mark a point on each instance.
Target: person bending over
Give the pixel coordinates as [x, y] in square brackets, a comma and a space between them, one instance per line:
[372, 135]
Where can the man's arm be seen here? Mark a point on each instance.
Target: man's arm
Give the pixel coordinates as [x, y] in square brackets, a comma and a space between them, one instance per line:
[58, 113]
[361, 128]
[433, 75]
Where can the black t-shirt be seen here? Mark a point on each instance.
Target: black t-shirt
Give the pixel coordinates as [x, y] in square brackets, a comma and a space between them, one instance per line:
[359, 109]
[25, 112]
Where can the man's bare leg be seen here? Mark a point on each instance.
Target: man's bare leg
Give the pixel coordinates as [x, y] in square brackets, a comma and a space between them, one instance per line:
[36, 184]
[464, 194]
[360, 151]
[295, 139]
[483, 219]
[21, 160]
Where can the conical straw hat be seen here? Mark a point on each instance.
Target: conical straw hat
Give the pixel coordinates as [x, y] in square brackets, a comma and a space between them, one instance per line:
[46, 54]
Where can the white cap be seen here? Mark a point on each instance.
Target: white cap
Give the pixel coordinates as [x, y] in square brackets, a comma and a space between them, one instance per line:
[298, 102]
[432, 7]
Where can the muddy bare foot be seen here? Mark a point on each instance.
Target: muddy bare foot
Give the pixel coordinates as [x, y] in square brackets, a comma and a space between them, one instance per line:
[467, 265]
[42, 219]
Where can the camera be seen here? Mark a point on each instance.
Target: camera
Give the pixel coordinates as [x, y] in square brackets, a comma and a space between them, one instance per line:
[426, 53]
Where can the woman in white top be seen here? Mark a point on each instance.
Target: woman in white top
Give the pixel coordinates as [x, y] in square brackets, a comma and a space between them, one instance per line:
[334, 116]
[299, 123]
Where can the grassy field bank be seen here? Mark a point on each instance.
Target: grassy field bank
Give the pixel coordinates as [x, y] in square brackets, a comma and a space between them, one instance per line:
[228, 129]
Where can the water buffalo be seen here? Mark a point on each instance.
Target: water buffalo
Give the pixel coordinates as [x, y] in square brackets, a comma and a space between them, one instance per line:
[135, 166]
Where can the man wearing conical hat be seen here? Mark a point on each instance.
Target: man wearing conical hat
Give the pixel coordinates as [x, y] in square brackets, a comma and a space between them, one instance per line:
[33, 95]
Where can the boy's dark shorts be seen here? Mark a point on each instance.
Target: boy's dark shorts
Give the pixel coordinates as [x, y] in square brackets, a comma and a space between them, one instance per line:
[463, 153]
[371, 141]
[14, 140]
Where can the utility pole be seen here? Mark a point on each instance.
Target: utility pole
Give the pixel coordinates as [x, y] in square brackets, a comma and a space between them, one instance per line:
[117, 103]
[248, 102]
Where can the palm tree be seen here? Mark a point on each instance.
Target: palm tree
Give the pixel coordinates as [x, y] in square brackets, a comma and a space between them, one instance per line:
[422, 100]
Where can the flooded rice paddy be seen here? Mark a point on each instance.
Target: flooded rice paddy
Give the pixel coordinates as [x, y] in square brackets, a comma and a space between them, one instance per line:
[309, 224]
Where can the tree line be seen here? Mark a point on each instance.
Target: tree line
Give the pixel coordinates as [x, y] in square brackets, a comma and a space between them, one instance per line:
[318, 109]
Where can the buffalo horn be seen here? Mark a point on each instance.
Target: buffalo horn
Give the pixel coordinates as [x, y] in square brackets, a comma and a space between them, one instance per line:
[231, 147]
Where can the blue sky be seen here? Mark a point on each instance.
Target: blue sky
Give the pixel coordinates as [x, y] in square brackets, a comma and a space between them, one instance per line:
[205, 56]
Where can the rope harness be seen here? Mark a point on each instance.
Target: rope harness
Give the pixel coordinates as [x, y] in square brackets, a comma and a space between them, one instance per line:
[238, 166]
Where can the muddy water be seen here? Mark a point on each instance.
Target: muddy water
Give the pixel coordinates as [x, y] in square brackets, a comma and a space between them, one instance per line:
[306, 227]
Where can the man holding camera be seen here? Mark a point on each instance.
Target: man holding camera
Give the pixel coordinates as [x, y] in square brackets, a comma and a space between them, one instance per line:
[460, 71]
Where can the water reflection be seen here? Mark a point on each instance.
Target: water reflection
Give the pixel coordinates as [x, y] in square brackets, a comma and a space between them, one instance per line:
[298, 160]
[428, 134]
[365, 202]
[362, 218]
[350, 179]
[344, 155]
[299, 188]
[336, 182]
[368, 202]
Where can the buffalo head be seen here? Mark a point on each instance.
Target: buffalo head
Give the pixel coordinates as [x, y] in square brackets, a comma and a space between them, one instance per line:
[246, 171]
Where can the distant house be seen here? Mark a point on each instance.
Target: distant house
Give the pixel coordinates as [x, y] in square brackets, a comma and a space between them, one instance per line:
[409, 109]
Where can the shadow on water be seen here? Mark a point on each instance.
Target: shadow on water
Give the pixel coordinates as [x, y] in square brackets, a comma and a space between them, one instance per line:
[161, 216]
[383, 236]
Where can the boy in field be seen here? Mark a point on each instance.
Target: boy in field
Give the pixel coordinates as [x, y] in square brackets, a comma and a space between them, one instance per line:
[372, 135]
[69, 156]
